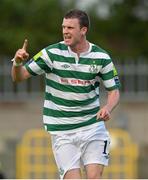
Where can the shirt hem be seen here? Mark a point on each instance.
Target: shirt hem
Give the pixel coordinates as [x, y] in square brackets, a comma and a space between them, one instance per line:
[100, 123]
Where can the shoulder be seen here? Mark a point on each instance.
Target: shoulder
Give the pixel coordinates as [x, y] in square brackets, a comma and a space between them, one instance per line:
[99, 52]
[96, 48]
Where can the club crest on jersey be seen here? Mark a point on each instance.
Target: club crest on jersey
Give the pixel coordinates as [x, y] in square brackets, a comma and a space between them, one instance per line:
[93, 68]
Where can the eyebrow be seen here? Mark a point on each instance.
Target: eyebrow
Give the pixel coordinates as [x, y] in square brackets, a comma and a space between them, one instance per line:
[67, 26]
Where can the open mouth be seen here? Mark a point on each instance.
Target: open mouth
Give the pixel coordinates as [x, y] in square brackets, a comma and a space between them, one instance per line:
[67, 37]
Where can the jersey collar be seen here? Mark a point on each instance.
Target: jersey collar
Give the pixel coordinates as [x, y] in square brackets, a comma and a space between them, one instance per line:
[83, 53]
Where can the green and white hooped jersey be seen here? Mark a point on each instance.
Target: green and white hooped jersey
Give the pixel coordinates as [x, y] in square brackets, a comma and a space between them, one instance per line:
[71, 99]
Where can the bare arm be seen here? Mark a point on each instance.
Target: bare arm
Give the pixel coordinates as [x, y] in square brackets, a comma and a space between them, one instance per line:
[112, 101]
[19, 72]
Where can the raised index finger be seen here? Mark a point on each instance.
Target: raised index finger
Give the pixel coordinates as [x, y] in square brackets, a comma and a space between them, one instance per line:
[25, 45]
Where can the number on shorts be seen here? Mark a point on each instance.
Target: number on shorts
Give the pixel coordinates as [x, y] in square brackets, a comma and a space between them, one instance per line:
[105, 146]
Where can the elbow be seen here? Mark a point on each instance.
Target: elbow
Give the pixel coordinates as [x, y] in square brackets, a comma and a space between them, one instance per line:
[117, 94]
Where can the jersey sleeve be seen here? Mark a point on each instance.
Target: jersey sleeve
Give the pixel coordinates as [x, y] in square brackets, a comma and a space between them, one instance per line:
[39, 64]
[109, 75]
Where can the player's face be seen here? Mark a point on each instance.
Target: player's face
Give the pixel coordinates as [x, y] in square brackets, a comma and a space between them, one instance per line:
[72, 33]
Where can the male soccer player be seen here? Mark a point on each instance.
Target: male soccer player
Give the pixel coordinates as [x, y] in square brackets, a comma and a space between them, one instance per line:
[72, 112]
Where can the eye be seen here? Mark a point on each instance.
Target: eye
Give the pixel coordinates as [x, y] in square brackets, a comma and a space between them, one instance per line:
[67, 27]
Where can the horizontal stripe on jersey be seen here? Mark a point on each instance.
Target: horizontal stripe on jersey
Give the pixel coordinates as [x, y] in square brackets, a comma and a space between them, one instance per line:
[69, 103]
[64, 127]
[70, 95]
[74, 74]
[70, 120]
[66, 114]
[82, 60]
[62, 107]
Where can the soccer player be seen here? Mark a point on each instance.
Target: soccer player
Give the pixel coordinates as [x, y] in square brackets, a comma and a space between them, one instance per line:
[72, 112]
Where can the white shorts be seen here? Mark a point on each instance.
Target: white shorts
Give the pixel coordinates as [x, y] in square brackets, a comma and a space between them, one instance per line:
[81, 148]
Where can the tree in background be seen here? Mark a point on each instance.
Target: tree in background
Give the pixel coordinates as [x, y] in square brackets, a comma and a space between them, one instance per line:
[33, 19]
[120, 26]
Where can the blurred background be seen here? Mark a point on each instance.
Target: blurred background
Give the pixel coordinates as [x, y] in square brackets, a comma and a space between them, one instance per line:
[118, 26]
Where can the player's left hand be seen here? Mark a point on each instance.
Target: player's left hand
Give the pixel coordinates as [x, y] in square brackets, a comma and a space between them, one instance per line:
[104, 114]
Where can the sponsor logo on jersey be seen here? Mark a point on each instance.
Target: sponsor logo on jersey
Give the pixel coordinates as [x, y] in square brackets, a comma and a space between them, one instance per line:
[65, 66]
[77, 81]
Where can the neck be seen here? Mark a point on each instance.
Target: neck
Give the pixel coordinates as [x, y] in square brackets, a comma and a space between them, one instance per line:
[81, 47]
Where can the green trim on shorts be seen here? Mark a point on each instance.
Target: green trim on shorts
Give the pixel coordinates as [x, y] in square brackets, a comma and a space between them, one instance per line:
[63, 127]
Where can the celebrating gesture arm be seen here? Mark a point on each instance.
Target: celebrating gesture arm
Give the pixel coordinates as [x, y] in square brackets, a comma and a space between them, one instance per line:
[19, 72]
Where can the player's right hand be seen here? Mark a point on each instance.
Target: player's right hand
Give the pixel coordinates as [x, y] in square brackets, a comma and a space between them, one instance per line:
[21, 54]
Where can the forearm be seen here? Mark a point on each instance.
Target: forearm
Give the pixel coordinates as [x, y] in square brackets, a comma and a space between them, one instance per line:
[17, 73]
[113, 99]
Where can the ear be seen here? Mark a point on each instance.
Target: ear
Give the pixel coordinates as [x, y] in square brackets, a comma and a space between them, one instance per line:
[84, 30]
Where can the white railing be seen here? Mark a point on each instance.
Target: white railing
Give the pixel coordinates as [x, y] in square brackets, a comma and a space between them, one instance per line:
[134, 79]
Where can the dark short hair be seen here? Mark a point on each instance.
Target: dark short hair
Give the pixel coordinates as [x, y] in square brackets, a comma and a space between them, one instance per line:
[82, 16]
